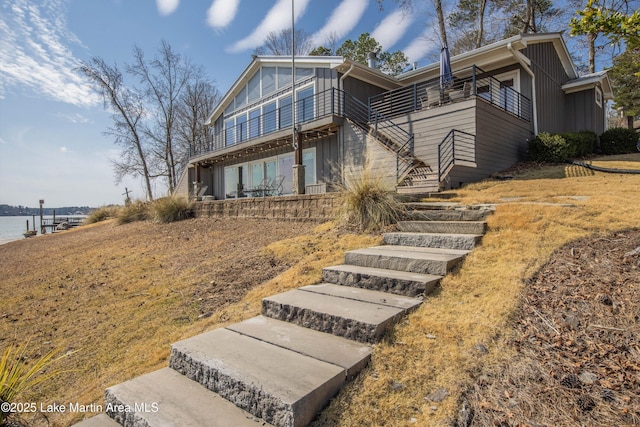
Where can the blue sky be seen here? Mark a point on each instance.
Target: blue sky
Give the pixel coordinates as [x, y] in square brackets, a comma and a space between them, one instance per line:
[52, 144]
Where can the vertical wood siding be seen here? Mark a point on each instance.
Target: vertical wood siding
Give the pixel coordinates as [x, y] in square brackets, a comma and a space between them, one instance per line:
[550, 76]
[585, 113]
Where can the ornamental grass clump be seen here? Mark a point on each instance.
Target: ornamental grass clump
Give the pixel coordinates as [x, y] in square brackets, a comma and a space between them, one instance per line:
[135, 211]
[170, 209]
[369, 200]
[102, 214]
[18, 375]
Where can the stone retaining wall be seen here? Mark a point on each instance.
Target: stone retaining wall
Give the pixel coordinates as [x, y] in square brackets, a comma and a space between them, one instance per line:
[310, 207]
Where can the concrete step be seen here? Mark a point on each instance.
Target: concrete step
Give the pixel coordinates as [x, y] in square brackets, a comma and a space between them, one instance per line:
[407, 258]
[101, 420]
[434, 205]
[378, 279]
[363, 317]
[280, 386]
[349, 355]
[433, 240]
[422, 187]
[166, 398]
[446, 215]
[454, 227]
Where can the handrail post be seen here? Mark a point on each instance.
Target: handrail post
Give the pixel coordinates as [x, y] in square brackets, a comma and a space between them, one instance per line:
[473, 77]
[453, 145]
[415, 96]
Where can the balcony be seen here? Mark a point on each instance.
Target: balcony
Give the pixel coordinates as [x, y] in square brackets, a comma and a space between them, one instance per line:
[469, 82]
[319, 113]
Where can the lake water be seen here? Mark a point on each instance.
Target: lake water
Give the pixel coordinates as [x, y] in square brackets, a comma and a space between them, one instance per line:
[13, 227]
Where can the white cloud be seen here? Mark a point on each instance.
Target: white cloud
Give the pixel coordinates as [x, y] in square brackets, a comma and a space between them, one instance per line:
[34, 53]
[222, 12]
[73, 118]
[167, 7]
[63, 149]
[419, 47]
[277, 19]
[392, 28]
[343, 19]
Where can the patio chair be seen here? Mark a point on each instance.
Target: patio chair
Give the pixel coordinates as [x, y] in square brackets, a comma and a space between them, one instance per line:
[465, 92]
[276, 187]
[431, 98]
[261, 189]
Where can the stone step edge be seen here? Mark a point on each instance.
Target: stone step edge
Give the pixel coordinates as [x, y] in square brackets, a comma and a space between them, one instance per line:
[396, 281]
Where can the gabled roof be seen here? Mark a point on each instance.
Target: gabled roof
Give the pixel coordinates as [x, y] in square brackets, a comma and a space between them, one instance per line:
[600, 79]
[259, 61]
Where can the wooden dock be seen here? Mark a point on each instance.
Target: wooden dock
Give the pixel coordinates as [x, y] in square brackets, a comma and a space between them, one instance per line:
[61, 223]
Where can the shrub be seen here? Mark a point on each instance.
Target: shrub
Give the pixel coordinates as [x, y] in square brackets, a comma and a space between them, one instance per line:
[369, 200]
[102, 214]
[584, 143]
[135, 211]
[619, 141]
[170, 209]
[557, 148]
[547, 147]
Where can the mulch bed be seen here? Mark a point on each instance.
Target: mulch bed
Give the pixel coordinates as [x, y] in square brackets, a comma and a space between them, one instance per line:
[577, 337]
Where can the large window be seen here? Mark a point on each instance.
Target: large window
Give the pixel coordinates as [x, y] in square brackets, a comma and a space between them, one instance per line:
[235, 179]
[284, 77]
[285, 112]
[304, 98]
[309, 162]
[230, 132]
[269, 117]
[268, 80]
[285, 168]
[241, 128]
[254, 87]
[254, 123]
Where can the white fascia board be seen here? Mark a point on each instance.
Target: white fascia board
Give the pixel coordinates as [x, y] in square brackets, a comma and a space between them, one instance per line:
[367, 74]
[600, 79]
[487, 56]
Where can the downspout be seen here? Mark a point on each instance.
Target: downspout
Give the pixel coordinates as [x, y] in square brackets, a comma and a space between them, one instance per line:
[341, 81]
[534, 101]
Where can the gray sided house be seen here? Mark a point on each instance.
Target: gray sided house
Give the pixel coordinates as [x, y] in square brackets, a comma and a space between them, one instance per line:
[418, 133]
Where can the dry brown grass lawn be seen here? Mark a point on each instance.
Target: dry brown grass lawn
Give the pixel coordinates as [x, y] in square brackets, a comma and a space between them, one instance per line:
[122, 299]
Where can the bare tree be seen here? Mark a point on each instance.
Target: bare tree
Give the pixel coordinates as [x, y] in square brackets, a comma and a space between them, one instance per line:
[196, 103]
[279, 43]
[164, 79]
[128, 112]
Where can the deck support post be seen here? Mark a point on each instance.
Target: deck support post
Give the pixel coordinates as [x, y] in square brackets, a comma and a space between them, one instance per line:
[298, 167]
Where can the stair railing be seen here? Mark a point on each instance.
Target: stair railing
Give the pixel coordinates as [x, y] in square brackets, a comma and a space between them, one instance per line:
[457, 146]
[392, 136]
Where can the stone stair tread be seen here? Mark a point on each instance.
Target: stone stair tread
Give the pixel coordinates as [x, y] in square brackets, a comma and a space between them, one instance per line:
[363, 311]
[179, 402]
[393, 281]
[100, 420]
[432, 240]
[455, 227]
[433, 205]
[414, 252]
[418, 233]
[281, 386]
[366, 295]
[383, 272]
[350, 355]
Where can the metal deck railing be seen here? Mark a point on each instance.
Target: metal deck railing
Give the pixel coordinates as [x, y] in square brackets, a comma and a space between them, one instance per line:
[429, 94]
